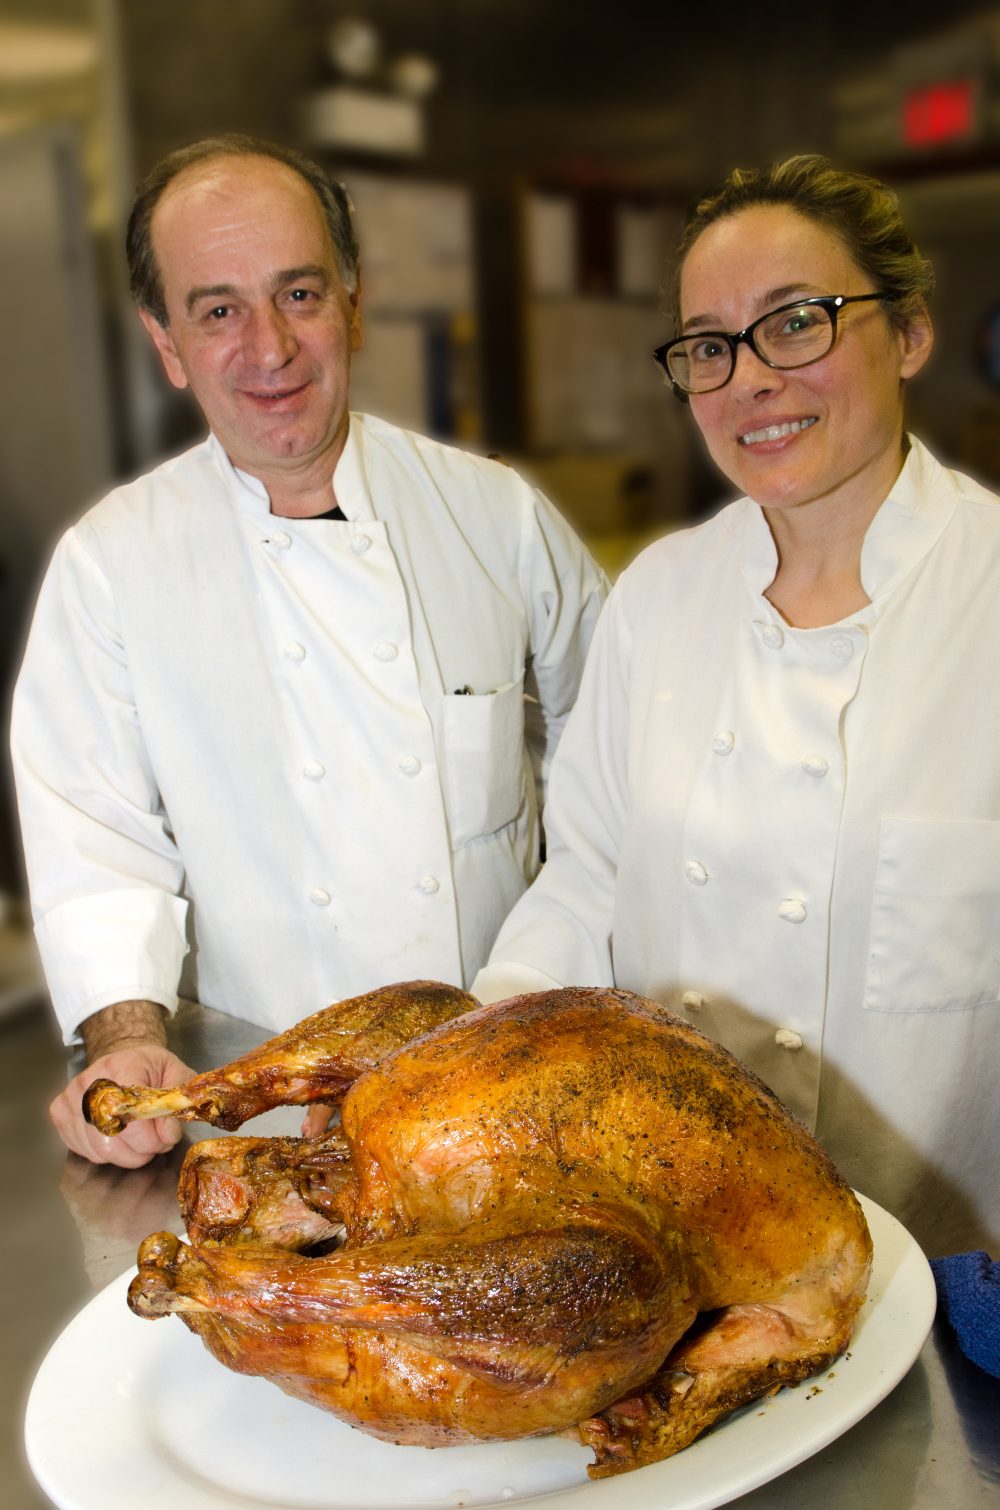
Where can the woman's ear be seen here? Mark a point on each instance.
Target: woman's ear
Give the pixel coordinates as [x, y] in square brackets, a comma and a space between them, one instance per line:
[915, 343]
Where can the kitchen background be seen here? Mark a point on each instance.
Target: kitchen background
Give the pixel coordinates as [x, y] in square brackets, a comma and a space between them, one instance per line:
[520, 169]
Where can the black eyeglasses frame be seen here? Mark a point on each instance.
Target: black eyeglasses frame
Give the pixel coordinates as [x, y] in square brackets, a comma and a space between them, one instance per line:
[832, 303]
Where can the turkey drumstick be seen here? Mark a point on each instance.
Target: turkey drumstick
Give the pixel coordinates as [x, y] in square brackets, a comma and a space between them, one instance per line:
[315, 1061]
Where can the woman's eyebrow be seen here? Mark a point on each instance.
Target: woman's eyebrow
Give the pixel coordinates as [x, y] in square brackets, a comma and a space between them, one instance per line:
[773, 298]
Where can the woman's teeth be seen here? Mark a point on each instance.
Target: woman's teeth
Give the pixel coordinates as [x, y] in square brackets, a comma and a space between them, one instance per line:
[775, 432]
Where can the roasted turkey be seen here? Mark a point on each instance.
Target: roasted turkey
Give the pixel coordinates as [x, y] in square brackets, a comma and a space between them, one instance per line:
[565, 1212]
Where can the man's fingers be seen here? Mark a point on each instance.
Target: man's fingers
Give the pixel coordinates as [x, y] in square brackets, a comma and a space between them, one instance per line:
[90, 1144]
[140, 1141]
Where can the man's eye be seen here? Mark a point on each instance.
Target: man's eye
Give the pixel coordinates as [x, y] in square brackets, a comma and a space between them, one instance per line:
[218, 312]
[302, 295]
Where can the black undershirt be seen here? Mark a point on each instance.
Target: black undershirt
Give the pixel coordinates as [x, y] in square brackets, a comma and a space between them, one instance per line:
[334, 513]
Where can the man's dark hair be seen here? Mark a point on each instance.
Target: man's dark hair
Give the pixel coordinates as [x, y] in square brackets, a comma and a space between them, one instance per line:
[143, 273]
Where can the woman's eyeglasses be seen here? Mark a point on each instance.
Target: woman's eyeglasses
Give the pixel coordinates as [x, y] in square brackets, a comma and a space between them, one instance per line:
[793, 336]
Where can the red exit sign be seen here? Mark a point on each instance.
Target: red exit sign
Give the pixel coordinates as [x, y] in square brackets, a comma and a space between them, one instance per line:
[938, 113]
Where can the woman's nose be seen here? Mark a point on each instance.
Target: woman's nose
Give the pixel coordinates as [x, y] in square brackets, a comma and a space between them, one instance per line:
[270, 339]
[751, 374]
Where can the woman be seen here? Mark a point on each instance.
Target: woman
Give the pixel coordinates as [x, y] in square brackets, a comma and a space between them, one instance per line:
[776, 808]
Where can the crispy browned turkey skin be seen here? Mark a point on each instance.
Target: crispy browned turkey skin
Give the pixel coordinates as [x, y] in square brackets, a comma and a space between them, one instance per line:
[565, 1211]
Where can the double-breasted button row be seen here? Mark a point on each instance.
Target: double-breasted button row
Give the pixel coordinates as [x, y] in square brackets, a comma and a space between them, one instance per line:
[383, 650]
[283, 541]
[428, 884]
[724, 743]
[842, 646]
[790, 909]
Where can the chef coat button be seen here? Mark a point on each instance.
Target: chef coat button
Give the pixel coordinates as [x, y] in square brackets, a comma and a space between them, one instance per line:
[692, 1000]
[385, 650]
[773, 636]
[696, 873]
[724, 742]
[429, 885]
[295, 651]
[842, 646]
[314, 769]
[359, 544]
[815, 765]
[786, 1039]
[409, 765]
[319, 897]
[792, 910]
[281, 540]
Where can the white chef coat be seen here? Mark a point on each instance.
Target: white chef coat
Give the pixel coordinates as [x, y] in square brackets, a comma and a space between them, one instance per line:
[792, 836]
[296, 746]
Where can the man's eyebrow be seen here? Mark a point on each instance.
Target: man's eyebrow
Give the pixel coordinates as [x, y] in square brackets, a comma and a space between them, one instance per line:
[296, 274]
[772, 299]
[208, 291]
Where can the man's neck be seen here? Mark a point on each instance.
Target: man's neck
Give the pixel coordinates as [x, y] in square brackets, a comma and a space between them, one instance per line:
[301, 488]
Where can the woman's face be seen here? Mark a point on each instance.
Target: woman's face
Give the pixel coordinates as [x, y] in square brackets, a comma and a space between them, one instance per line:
[849, 405]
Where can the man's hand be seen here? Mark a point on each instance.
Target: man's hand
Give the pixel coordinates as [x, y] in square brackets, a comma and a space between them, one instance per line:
[125, 1043]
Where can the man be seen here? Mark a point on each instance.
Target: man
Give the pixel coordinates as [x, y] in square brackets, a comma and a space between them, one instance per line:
[272, 710]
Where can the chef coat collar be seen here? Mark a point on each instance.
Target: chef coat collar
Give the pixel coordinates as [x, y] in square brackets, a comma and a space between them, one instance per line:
[909, 522]
[349, 486]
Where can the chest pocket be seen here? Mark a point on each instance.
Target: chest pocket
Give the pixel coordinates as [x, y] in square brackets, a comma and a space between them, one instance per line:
[935, 925]
[484, 744]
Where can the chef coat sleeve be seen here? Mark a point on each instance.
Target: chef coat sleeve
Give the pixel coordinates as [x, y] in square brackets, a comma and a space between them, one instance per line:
[560, 932]
[103, 869]
[564, 590]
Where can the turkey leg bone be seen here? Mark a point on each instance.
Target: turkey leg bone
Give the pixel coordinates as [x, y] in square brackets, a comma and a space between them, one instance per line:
[315, 1061]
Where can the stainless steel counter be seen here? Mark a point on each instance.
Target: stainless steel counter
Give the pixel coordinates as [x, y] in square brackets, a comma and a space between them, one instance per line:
[69, 1228]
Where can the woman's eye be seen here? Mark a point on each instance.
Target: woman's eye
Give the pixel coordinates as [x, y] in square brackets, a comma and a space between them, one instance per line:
[708, 350]
[799, 321]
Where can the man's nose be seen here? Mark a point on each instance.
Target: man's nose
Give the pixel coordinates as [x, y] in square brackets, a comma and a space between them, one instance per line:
[270, 340]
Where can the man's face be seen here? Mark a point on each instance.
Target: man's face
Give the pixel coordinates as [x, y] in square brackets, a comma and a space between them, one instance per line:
[259, 323]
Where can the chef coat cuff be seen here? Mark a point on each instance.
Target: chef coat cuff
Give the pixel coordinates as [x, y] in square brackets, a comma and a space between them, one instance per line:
[504, 979]
[124, 945]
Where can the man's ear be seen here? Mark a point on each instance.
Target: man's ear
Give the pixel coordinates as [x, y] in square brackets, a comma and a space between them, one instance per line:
[356, 327]
[163, 341]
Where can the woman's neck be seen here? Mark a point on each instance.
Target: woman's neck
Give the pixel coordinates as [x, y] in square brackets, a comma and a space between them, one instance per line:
[819, 545]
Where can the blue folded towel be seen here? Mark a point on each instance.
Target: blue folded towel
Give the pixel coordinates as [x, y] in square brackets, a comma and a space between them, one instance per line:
[968, 1287]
